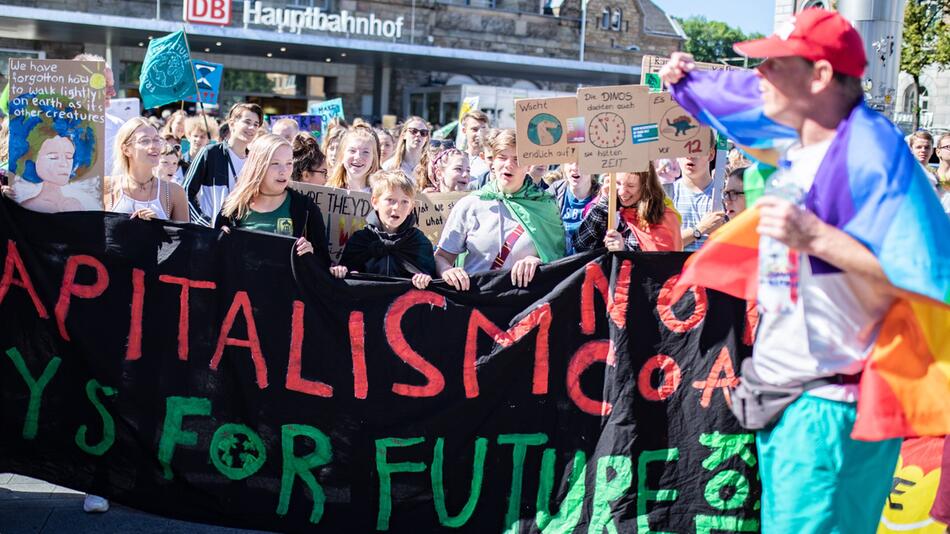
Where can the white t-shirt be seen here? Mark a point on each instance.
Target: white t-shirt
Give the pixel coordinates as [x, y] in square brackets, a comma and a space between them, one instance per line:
[836, 318]
[481, 227]
[476, 166]
[113, 124]
[238, 163]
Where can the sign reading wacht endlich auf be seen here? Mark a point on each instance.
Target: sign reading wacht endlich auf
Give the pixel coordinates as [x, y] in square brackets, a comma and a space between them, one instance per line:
[296, 20]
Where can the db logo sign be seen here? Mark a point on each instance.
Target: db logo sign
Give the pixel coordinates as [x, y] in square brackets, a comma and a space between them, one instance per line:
[208, 11]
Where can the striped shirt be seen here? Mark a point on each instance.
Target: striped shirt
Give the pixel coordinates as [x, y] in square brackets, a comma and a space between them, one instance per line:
[692, 205]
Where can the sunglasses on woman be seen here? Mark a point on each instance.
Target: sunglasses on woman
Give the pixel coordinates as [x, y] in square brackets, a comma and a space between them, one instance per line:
[417, 131]
[442, 144]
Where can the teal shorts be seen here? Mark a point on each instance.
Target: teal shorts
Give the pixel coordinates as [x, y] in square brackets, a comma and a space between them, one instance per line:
[815, 478]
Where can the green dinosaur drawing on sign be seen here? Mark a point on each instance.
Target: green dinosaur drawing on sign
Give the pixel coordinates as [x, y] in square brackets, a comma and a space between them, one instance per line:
[682, 124]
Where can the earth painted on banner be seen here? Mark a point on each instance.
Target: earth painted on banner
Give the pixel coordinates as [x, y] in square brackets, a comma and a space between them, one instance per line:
[169, 71]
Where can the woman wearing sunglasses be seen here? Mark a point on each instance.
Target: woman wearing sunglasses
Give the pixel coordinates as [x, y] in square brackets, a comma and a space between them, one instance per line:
[310, 165]
[411, 146]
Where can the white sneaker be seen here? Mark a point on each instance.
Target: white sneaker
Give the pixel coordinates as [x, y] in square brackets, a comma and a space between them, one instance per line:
[95, 504]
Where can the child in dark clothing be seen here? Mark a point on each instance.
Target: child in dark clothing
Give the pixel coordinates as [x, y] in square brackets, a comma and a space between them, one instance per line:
[390, 244]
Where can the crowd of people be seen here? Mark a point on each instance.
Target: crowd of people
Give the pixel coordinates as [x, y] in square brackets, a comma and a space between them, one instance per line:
[236, 175]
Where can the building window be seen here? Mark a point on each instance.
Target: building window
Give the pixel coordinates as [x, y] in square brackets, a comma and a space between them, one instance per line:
[605, 19]
[907, 103]
[924, 99]
[616, 23]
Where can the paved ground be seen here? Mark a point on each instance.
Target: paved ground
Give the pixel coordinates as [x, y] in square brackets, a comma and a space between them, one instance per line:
[28, 505]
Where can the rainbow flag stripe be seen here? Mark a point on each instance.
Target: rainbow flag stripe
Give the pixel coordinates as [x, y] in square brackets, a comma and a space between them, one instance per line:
[870, 186]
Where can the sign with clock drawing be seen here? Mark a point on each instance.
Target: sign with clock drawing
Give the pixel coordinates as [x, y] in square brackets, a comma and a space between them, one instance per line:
[612, 143]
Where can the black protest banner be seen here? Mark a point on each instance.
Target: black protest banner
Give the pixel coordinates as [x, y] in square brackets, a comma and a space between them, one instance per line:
[220, 378]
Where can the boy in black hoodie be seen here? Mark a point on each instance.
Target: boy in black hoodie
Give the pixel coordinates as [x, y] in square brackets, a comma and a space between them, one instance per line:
[390, 244]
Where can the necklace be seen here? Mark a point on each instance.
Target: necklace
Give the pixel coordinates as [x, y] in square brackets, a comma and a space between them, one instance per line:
[272, 194]
[147, 186]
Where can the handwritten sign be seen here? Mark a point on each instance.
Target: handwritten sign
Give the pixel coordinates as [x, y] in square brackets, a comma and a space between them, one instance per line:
[432, 210]
[617, 136]
[344, 212]
[675, 132]
[57, 133]
[547, 130]
[651, 65]
[328, 111]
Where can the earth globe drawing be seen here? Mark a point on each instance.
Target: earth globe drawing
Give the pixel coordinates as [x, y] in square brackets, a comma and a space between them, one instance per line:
[545, 129]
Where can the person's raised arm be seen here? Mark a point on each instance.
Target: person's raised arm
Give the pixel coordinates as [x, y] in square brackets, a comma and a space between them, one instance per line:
[679, 65]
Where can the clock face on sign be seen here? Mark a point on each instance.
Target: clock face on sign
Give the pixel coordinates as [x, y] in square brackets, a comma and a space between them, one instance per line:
[607, 130]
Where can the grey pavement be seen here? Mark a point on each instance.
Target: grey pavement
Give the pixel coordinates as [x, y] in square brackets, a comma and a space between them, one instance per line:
[29, 505]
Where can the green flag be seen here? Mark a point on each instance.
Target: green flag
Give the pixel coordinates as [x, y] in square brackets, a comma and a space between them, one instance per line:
[166, 72]
[754, 180]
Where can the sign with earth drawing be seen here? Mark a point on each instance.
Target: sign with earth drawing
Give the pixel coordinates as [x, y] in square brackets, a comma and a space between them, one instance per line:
[57, 133]
[548, 130]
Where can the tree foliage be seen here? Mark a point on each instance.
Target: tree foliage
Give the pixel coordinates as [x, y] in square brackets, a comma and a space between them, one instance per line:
[710, 40]
[926, 40]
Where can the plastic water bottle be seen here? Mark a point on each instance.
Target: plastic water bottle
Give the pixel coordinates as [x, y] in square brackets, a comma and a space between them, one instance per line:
[778, 264]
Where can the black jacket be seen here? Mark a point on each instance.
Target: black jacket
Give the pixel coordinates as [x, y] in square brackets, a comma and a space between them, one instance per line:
[308, 223]
[372, 250]
[208, 182]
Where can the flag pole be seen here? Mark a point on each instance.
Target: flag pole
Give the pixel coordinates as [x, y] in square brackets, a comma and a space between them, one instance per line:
[611, 201]
[194, 77]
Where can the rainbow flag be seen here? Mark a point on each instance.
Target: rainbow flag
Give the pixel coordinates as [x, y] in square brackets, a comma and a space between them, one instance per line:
[870, 186]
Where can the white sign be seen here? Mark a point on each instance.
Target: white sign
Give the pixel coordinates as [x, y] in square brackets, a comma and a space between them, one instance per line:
[216, 12]
[295, 20]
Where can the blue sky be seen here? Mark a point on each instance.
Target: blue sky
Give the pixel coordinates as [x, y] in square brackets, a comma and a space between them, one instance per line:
[749, 15]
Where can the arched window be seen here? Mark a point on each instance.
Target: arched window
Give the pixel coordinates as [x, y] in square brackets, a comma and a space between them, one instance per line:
[924, 99]
[605, 19]
[616, 22]
[907, 102]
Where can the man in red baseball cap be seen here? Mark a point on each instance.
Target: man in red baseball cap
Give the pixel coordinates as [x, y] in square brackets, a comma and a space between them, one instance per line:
[815, 478]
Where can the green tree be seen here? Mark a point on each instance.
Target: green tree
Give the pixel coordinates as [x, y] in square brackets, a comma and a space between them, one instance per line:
[926, 41]
[710, 40]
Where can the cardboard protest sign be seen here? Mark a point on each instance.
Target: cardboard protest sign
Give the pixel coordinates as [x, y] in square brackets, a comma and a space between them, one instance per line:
[57, 133]
[208, 80]
[615, 118]
[651, 65]
[676, 132]
[344, 212]
[432, 210]
[223, 379]
[306, 123]
[544, 130]
[327, 111]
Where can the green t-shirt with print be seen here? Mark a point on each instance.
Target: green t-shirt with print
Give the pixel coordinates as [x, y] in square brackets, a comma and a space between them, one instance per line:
[272, 222]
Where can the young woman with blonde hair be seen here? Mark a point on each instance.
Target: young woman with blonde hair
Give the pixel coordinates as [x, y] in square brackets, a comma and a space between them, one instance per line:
[358, 159]
[648, 221]
[261, 200]
[413, 139]
[134, 188]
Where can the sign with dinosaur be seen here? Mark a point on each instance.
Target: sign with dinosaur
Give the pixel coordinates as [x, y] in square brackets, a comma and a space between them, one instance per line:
[547, 130]
[678, 134]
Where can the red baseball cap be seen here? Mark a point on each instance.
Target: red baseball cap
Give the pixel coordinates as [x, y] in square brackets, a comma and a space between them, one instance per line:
[813, 34]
